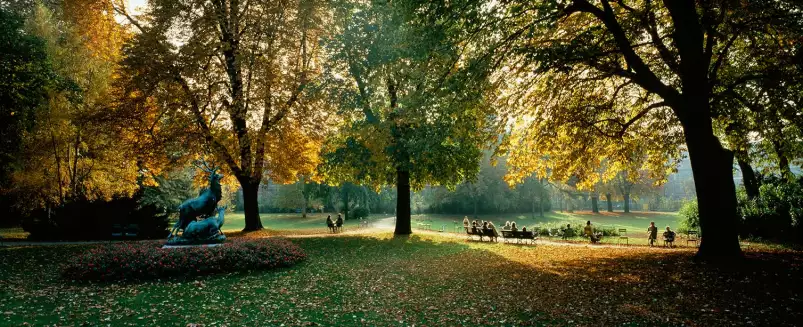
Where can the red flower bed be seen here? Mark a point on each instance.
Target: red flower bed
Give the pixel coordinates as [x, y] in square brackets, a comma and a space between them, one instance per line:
[147, 260]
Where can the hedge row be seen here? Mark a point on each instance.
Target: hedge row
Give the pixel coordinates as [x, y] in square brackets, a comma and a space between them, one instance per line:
[147, 260]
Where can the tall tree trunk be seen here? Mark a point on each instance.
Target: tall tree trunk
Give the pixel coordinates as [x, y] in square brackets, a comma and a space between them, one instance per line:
[627, 202]
[712, 168]
[251, 204]
[403, 221]
[610, 202]
[541, 205]
[783, 160]
[305, 196]
[595, 203]
[748, 178]
[345, 198]
[304, 207]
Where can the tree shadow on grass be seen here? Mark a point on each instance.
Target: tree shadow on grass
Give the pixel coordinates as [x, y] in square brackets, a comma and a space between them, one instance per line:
[424, 280]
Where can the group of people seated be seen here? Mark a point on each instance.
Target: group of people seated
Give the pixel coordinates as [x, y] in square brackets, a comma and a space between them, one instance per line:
[334, 226]
[481, 227]
[652, 235]
[488, 228]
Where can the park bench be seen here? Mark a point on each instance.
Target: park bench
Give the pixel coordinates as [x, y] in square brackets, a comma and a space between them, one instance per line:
[470, 232]
[121, 231]
[518, 236]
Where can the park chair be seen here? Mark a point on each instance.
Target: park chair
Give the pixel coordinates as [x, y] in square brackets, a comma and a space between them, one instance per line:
[623, 236]
[554, 232]
[117, 231]
[692, 236]
[470, 233]
[131, 230]
[669, 242]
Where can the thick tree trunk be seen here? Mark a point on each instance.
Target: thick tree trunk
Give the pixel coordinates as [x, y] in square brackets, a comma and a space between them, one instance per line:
[345, 205]
[403, 221]
[748, 178]
[304, 207]
[251, 205]
[712, 168]
[595, 203]
[610, 202]
[627, 202]
[783, 160]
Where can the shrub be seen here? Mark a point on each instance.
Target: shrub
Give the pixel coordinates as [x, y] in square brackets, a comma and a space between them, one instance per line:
[359, 213]
[94, 220]
[776, 213]
[690, 216]
[147, 260]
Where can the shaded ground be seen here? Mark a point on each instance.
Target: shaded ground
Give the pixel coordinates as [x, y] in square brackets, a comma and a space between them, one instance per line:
[424, 281]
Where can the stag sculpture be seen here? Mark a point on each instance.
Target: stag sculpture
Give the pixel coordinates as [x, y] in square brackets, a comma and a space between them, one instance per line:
[202, 206]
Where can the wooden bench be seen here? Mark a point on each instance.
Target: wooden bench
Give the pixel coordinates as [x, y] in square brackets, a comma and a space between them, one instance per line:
[480, 232]
[518, 235]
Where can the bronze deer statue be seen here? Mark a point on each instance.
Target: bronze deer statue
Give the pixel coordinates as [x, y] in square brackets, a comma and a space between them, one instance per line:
[202, 206]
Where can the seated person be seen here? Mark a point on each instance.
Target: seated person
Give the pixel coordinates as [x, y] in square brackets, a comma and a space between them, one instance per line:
[567, 232]
[330, 223]
[513, 227]
[474, 226]
[492, 227]
[339, 222]
[507, 226]
[669, 237]
[524, 229]
[465, 221]
[588, 231]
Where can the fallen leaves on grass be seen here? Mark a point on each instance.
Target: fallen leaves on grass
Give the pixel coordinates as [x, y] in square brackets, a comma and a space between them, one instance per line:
[430, 281]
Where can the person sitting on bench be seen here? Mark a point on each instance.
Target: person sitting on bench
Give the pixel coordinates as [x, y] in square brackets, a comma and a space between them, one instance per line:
[507, 226]
[669, 237]
[589, 232]
[492, 227]
[339, 223]
[465, 221]
[524, 229]
[474, 226]
[330, 223]
[513, 227]
[567, 232]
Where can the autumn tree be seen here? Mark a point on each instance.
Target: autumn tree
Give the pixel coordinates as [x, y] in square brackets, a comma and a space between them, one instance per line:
[411, 104]
[628, 68]
[241, 73]
[77, 150]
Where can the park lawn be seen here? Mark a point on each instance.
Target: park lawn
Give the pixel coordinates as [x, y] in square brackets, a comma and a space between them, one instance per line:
[314, 223]
[423, 281]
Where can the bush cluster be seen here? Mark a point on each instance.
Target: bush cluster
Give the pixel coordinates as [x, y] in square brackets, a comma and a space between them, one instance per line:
[139, 261]
[94, 220]
[776, 213]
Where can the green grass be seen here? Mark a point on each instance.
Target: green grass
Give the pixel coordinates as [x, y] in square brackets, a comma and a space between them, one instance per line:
[422, 281]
